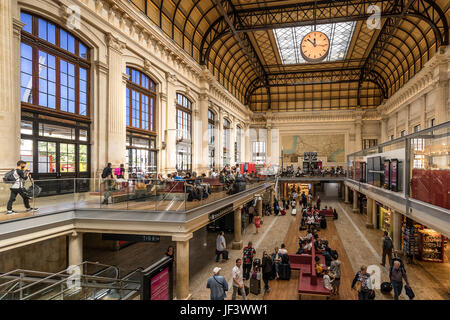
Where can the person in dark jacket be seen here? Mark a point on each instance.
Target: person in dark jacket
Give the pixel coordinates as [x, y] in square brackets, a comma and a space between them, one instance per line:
[397, 273]
[107, 171]
[20, 175]
[267, 270]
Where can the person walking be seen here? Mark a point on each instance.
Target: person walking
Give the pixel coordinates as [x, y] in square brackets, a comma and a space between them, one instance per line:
[267, 269]
[18, 176]
[257, 223]
[109, 187]
[362, 284]
[221, 247]
[318, 202]
[248, 254]
[238, 281]
[107, 171]
[397, 273]
[304, 200]
[218, 285]
[387, 246]
[251, 213]
[335, 270]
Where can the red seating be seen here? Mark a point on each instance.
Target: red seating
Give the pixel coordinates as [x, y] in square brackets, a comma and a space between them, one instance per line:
[174, 187]
[213, 182]
[309, 282]
[300, 262]
[327, 213]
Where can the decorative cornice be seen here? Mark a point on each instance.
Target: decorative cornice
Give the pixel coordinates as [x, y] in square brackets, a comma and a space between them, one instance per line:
[17, 27]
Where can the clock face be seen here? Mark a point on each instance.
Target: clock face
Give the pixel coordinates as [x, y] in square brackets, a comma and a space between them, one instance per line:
[314, 46]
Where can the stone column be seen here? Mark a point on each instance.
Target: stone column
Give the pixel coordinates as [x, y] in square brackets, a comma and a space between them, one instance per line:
[182, 266]
[397, 227]
[269, 145]
[9, 86]
[346, 191]
[442, 95]
[358, 134]
[355, 201]
[75, 248]
[312, 190]
[374, 214]
[171, 124]
[116, 113]
[370, 212]
[203, 128]
[383, 136]
[247, 147]
[237, 242]
[232, 141]
[423, 116]
[220, 140]
[407, 110]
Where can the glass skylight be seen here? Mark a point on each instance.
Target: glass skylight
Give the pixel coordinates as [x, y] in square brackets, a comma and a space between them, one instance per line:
[289, 39]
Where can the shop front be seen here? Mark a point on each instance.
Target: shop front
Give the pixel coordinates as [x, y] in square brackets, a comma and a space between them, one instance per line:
[422, 243]
[289, 188]
[384, 218]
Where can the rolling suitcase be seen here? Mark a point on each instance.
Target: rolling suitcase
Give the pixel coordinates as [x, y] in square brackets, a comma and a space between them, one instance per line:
[386, 287]
[255, 286]
[284, 272]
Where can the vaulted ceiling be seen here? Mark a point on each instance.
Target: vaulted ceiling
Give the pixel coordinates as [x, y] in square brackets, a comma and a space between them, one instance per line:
[237, 40]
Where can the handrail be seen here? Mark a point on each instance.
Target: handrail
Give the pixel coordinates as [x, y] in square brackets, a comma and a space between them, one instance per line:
[170, 191]
[10, 289]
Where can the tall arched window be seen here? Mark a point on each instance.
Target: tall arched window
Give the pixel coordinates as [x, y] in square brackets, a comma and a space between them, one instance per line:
[226, 141]
[184, 133]
[140, 119]
[54, 93]
[211, 139]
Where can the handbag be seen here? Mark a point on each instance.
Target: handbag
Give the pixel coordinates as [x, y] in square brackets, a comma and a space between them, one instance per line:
[371, 295]
[357, 286]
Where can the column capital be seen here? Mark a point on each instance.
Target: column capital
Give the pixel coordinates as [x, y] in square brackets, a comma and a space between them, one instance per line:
[114, 43]
[17, 27]
[182, 237]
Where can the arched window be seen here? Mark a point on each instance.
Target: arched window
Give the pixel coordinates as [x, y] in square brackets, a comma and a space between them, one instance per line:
[54, 68]
[140, 120]
[140, 101]
[184, 133]
[226, 141]
[54, 93]
[211, 139]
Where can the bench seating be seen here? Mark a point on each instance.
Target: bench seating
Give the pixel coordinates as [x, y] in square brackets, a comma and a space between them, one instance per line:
[213, 182]
[308, 281]
[327, 213]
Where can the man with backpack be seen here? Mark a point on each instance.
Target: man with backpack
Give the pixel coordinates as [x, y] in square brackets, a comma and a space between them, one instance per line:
[387, 248]
[17, 177]
[107, 171]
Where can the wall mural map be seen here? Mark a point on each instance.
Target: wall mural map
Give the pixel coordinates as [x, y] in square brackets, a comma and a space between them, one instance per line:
[330, 146]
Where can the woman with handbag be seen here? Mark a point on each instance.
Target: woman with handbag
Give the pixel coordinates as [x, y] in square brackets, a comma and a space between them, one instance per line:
[362, 284]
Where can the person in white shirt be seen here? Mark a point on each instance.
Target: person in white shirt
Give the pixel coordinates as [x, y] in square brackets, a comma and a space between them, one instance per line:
[221, 247]
[283, 250]
[238, 280]
[327, 280]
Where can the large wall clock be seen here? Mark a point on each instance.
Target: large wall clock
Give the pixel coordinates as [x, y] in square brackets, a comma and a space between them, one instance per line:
[315, 46]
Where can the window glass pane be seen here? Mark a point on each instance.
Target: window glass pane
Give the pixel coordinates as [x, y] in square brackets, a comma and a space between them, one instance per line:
[141, 143]
[67, 86]
[82, 50]
[51, 33]
[67, 157]
[26, 152]
[83, 135]
[46, 157]
[82, 154]
[70, 43]
[83, 92]
[54, 131]
[42, 25]
[26, 127]
[28, 20]
[63, 39]
[47, 80]
[26, 72]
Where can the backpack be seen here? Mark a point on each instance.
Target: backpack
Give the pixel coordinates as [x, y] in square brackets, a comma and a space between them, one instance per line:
[105, 173]
[285, 259]
[387, 243]
[117, 171]
[9, 176]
